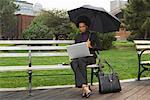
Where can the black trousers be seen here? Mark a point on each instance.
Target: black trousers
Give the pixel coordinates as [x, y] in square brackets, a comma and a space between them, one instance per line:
[79, 68]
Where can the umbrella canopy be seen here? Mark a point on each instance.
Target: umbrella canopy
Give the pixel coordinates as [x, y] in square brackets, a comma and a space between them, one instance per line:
[98, 19]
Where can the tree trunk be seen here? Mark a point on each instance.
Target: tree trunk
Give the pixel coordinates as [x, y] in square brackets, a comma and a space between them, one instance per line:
[56, 38]
[145, 36]
[0, 32]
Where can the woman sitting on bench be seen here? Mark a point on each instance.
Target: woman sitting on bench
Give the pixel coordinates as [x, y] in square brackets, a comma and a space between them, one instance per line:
[79, 64]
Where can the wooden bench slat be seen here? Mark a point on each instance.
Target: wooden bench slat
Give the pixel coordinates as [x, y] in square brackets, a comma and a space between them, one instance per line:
[38, 67]
[14, 54]
[145, 62]
[33, 48]
[142, 47]
[146, 52]
[13, 68]
[37, 41]
[49, 54]
[142, 41]
[40, 54]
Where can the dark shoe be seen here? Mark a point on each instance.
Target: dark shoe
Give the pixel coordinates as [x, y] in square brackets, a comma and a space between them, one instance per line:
[88, 94]
[83, 95]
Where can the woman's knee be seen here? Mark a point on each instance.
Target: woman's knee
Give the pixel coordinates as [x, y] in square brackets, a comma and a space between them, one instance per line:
[82, 61]
[74, 63]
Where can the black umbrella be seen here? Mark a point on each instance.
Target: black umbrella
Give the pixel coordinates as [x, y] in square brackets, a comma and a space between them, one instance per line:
[98, 19]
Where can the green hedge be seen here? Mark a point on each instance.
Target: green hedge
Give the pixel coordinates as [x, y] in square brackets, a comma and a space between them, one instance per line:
[105, 40]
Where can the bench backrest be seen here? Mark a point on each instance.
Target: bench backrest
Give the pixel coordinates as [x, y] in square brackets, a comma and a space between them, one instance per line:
[48, 46]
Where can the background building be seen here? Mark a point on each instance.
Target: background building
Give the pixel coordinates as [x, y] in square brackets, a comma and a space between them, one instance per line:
[26, 8]
[25, 15]
[116, 6]
[115, 9]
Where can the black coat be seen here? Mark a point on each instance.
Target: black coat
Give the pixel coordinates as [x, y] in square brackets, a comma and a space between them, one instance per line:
[94, 41]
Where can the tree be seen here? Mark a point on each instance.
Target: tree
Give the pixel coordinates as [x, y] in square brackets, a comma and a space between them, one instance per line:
[7, 17]
[137, 14]
[56, 21]
[37, 31]
[146, 27]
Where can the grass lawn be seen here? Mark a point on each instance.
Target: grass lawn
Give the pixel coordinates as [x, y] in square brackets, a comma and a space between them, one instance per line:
[122, 57]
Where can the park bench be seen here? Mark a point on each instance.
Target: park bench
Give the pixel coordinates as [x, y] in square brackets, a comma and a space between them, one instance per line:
[143, 48]
[47, 48]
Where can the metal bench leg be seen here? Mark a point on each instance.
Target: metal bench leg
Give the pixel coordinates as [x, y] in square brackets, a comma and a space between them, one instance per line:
[30, 82]
[92, 75]
[139, 67]
[144, 69]
[30, 74]
[139, 73]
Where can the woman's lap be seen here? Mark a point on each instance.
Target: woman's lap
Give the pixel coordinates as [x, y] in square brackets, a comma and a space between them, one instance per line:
[88, 60]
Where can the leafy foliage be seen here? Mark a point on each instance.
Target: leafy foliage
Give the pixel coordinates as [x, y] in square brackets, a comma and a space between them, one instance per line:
[57, 23]
[105, 40]
[7, 17]
[37, 31]
[137, 15]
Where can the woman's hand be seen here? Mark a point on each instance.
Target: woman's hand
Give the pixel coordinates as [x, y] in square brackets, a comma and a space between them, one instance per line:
[88, 43]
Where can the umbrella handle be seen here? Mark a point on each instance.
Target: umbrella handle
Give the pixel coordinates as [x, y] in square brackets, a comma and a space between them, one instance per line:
[90, 36]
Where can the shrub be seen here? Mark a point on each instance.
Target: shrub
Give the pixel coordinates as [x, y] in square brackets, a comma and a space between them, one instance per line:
[105, 40]
[137, 37]
[37, 31]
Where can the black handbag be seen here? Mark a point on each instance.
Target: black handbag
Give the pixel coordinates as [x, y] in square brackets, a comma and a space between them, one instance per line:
[108, 83]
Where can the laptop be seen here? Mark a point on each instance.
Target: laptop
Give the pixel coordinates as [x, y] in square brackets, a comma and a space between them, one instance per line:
[78, 50]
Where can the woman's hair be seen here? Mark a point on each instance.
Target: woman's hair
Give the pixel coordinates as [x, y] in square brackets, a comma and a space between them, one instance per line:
[83, 19]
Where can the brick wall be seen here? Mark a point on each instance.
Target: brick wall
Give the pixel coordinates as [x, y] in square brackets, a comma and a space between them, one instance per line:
[23, 22]
[122, 34]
